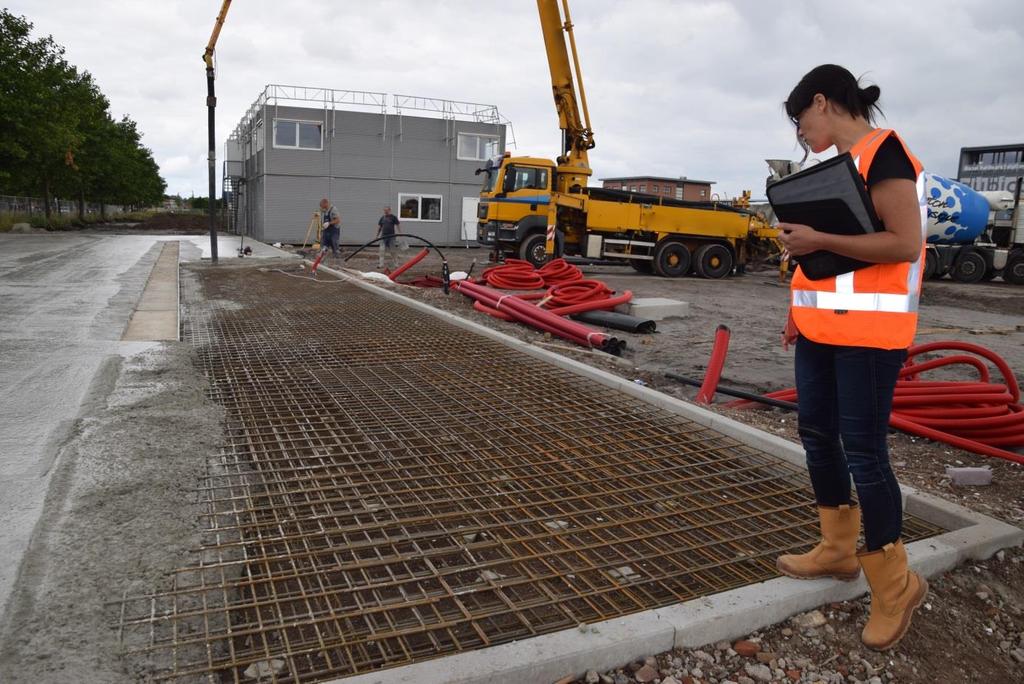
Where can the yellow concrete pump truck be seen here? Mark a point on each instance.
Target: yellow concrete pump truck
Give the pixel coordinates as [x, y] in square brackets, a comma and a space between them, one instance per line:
[534, 208]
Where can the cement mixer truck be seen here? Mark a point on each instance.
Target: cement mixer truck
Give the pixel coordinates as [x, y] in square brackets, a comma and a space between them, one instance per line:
[973, 236]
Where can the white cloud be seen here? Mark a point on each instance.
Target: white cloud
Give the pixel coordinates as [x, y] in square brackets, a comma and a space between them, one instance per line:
[675, 87]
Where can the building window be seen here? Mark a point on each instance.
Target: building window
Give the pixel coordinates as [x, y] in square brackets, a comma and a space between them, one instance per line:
[679, 192]
[654, 189]
[643, 187]
[703, 193]
[474, 147]
[632, 188]
[419, 207]
[298, 135]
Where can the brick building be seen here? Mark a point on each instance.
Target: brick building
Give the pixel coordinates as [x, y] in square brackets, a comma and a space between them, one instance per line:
[682, 188]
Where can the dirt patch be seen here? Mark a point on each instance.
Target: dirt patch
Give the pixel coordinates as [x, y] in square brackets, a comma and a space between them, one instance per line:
[163, 224]
[121, 512]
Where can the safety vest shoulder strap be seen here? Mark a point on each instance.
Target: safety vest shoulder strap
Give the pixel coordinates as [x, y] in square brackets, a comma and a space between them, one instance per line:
[864, 150]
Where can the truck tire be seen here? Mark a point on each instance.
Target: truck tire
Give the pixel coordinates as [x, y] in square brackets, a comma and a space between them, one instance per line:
[931, 264]
[1013, 272]
[671, 259]
[532, 249]
[969, 268]
[713, 261]
[642, 266]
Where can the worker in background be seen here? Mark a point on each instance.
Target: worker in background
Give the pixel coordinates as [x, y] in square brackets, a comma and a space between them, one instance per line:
[331, 221]
[387, 227]
[851, 333]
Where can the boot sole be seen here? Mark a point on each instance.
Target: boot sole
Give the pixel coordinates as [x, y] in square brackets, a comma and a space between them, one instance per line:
[908, 616]
[842, 577]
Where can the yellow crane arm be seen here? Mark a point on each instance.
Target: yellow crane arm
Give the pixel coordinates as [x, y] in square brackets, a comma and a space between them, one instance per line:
[577, 136]
[208, 54]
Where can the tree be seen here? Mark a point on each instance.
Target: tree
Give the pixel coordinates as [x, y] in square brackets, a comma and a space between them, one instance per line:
[56, 131]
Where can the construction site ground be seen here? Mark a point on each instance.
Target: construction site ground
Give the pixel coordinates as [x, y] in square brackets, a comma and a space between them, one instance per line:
[986, 597]
[119, 473]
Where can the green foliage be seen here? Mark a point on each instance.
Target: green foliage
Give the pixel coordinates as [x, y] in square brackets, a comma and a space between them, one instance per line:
[57, 135]
[202, 204]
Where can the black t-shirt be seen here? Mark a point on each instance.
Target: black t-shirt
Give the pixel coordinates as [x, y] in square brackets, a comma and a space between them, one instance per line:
[891, 161]
[387, 224]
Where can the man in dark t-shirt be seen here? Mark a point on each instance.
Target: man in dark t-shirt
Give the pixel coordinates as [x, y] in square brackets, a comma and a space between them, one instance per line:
[387, 227]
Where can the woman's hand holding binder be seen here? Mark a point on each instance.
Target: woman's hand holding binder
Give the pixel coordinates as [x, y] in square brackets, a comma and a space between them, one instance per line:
[799, 239]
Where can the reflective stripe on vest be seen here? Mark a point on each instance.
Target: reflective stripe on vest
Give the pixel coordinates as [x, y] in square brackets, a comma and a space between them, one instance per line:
[835, 311]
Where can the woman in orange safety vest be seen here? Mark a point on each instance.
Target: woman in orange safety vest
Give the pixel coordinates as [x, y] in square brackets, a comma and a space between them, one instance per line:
[851, 333]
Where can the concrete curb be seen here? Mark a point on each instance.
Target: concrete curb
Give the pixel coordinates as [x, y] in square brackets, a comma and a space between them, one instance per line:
[728, 615]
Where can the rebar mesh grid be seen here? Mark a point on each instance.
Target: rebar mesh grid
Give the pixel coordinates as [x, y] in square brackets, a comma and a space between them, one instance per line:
[393, 488]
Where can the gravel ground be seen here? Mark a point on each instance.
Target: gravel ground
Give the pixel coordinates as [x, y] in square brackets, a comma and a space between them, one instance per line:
[970, 630]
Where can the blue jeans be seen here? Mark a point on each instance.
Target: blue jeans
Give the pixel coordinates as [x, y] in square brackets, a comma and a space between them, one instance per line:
[330, 238]
[845, 397]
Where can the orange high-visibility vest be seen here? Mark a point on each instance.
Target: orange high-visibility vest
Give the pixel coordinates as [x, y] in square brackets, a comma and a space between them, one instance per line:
[875, 306]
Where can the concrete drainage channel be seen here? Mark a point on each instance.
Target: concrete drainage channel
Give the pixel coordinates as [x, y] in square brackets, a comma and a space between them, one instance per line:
[399, 484]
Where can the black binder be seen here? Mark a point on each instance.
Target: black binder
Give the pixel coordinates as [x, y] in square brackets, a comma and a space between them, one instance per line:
[830, 197]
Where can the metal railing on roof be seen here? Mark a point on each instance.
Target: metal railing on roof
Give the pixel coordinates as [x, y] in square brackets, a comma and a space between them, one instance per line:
[331, 99]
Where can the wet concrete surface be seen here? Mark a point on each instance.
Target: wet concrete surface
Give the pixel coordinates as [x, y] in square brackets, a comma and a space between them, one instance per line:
[65, 299]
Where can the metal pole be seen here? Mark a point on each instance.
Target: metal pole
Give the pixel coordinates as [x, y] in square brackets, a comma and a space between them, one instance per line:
[211, 104]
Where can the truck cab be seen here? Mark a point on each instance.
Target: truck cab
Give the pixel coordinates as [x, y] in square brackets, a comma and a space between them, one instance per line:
[514, 198]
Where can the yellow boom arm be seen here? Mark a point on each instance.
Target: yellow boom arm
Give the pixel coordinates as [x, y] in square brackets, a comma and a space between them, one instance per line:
[577, 136]
[208, 54]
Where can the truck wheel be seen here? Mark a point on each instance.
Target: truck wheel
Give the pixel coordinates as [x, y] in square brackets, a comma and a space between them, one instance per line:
[671, 259]
[713, 261]
[931, 264]
[1013, 272]
[532, 249]
[969, 268]
[642, 266]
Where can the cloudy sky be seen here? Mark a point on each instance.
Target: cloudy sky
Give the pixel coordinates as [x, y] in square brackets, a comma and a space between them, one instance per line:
[675, 87]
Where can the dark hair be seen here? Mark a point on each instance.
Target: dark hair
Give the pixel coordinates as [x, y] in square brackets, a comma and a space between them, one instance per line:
[838, 86]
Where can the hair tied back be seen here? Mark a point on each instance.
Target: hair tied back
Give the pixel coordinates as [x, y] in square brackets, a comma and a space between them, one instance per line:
[869, 95]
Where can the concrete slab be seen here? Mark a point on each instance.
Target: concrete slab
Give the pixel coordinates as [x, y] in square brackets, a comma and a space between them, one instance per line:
[227, 248]
[156, 316]
[155, 326]
[655, 308]
[722, 616]
[64, 302]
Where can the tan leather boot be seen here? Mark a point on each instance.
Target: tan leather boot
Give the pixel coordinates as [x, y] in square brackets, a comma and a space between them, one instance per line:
[895, 593]
[836, 553]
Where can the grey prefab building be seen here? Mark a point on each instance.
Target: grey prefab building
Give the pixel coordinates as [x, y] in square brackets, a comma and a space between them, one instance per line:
[297, 145]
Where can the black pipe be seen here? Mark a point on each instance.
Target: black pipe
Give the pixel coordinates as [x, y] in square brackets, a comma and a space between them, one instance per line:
[445, 273]
[385, 237]
[738, 393]
[617, 321]
[211, 104]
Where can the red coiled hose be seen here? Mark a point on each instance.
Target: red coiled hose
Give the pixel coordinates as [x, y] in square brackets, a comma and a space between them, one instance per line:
[559, 271]
[980, 416]
[514, 274]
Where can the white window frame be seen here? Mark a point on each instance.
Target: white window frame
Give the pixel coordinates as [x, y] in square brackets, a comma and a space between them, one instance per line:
[420, 196]
[296, 146]
[480, 137]
[679, 192]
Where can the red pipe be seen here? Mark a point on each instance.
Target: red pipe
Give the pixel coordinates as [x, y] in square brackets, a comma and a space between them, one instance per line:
[715, 365]
[409, 264]
[542, 319]
[316, 262]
